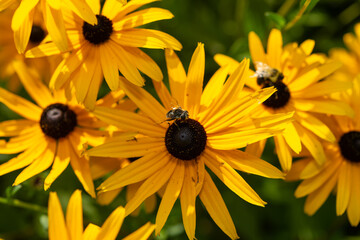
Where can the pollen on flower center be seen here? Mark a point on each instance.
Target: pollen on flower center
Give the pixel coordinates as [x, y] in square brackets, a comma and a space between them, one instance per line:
[185, 139]
[350, 146]
[37, 34]
[100, 32]
[57, 120]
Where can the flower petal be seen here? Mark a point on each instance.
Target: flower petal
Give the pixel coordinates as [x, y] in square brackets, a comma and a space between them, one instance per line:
[36, 89]
[177, 76]
[314, 125]
[146, 38]
[74, 216]
[317, 198]
[20, 105]
[14, 127]
[194, 81]
[54, 22]
[81, 168]
[142, 17]
[145, 101]
[187, 201]
[144, 63]
[135, 172]
[61, 161]
[126, 66]
[314, 75]
[311, 143]
[232, 179]
[214, 86]
[91, 232]
[129, 121]
[142, 233]
[292, 138]
[245, 162]
[172, 192]
[83, 10]
[283, 153]
[38, 165]
[24, 159]
[216, 207]
[42, 50]
[126, 149]
[324, 106]
[256, 48]
[57, 227]
[112, 225]
[127, 8]
[343, 188]
[274, 48]
[353, 210]
[108, 62]
[322, 88]
[151, 185]
[313, 184]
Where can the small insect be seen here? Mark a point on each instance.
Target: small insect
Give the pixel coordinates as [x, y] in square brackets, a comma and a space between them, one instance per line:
[177, 113]
[267, 75]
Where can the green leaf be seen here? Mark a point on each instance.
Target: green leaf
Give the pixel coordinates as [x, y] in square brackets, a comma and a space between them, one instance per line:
[277, 19]
[311, 5]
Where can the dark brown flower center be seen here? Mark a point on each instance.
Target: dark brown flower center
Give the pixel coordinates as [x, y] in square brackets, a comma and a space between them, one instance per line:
[100, 32]
[57, 120]
[350, 146]
[185, 139]
[37, 34]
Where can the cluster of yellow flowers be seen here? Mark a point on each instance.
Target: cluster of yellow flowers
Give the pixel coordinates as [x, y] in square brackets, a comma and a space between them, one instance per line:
[62, 50]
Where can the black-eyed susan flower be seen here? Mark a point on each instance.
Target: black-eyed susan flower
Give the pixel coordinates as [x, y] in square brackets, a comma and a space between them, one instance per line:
[110, 46]
[298, 77]
[53, 133]
[204, 128]
[8, 53]
[341, 171]
[22, 20]
[350, 59]
[71, 227]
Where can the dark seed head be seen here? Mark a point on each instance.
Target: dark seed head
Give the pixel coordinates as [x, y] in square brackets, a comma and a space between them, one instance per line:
[100, 32]
[185, 139]
[280, 98]
[57, 120]
[37, 34]
[350, 146]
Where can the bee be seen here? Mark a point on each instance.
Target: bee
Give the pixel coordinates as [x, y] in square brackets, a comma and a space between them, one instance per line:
[177, 113]
[267, 75]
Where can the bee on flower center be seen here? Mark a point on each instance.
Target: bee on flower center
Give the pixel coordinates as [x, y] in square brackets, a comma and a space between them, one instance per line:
[267, 75]
[177, 113]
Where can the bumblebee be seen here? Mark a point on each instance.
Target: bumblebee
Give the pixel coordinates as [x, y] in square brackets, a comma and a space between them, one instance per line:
[267, 75]
[177, 113]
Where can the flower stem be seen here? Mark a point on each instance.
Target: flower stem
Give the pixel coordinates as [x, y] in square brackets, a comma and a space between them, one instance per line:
[21, 204]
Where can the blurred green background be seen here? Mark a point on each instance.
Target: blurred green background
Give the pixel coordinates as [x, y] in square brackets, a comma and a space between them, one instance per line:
[223, 27]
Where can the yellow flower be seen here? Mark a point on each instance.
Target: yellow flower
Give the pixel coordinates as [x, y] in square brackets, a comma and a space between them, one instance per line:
[72, 227]
[43, 66]
[206, 131]
[349, 59]
[341, 172]
[108, 47]
[53, 132]
[296, 73]
[22, 21]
